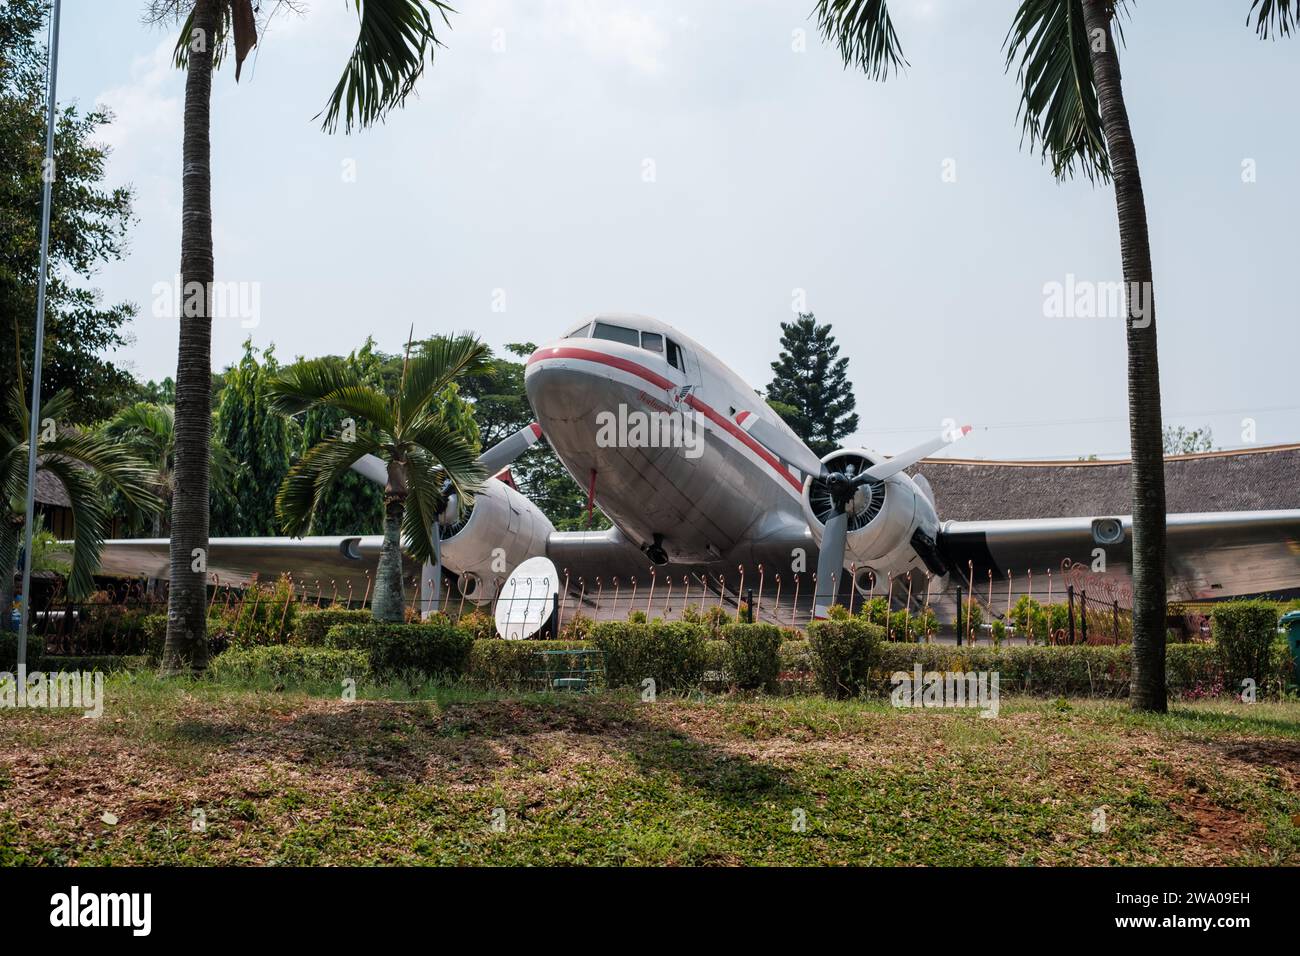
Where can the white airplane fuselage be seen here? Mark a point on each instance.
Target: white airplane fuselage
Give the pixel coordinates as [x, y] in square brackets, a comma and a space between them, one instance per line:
[653, 434]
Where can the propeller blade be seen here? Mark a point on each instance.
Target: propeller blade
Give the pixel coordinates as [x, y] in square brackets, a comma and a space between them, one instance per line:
[779, 443]
[496, 458]
[830, 562]
[504, 452]
[372, 467]
[907, 459]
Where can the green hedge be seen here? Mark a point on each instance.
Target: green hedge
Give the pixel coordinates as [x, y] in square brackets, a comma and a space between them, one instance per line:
[435, 648]
[672, 654]
[754, 659]
[291, 665]
[105, 663]
[1244, 633]
[311, 625]
[843, 652]
[9, 650]
[498, 663]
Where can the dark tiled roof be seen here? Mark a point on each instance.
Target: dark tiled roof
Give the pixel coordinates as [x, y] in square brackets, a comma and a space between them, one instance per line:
[1259, 479]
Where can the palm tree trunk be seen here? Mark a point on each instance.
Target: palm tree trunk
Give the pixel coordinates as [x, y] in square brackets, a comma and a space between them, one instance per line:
[186, 647]
[1147, 685]
[389, 603]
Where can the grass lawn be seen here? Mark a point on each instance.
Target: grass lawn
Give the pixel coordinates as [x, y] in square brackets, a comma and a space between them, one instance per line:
[297, 778]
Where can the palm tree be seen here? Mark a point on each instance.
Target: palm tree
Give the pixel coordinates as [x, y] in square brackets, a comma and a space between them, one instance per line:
[394, 38]
[148, 429]
[427, 455]
[81, 461]
[1072, 109]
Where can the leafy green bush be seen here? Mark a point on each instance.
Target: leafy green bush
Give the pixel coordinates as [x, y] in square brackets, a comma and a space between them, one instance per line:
[154, 628]
[755, 654]
[672, 653]
[1030, 619]
[9, 650]
[311, 623]
[478, 625]
[577, 628]
[1244, 633]
[796, 660]
[265, 614]
[498, 663]
[717, 664]
[843, 652]
[436, 647]
[87, 663]
[290, 665]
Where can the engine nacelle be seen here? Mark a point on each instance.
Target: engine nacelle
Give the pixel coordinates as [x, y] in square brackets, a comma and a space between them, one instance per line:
[503, 529]
[892, 523]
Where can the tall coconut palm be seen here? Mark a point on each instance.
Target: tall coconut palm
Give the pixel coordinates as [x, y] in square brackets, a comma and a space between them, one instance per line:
[82, 461]
[394, 39]
[1072, 110]
[427, 455]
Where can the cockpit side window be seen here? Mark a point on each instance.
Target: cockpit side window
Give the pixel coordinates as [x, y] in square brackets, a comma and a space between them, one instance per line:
[616, 333]
[580, 332]
[652, 341]
[675, 358]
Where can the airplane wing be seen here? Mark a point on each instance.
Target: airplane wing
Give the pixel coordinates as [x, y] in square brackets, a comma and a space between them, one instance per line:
[1210, 555]
[345, 561]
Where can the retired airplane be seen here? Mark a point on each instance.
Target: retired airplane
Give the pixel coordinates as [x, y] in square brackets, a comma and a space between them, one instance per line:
[700, 477]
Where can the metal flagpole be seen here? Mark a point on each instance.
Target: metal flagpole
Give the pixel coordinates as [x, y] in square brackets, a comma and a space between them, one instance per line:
[47, 174]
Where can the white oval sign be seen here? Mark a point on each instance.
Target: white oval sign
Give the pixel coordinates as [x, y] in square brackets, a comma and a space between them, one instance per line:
[526, 599]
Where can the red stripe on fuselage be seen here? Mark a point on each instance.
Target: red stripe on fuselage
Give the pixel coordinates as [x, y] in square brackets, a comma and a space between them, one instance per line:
[627, 365]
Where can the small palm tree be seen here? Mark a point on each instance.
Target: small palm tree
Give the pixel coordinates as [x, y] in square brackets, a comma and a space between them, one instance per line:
[1072, 109]
[148, 429]
[83, 462]
[427, 455]
[395, 40]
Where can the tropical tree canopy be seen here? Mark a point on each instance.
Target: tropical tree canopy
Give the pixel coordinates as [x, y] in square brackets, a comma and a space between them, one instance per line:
[80, 460]
[429, 451]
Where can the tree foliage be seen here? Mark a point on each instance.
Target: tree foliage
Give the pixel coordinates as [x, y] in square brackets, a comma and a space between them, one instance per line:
[810, 385]
[88, 225]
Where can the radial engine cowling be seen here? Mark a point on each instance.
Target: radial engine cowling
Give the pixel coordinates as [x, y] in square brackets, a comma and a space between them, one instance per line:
[483, 546]
[883, 515]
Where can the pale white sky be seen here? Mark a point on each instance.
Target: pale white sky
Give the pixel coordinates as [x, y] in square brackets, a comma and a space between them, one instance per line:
[521, 168]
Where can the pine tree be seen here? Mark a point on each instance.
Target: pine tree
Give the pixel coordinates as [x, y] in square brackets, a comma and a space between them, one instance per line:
[810, 386]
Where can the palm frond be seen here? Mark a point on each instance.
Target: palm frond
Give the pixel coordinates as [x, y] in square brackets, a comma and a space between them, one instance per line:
[326, 382]
[113, 463]
[438, 363]
[864, 34]
[89, 522]
[394, 38]
[1058, 109]
[452, 452]
[424, 479]
[312, 475]
[1275, 18]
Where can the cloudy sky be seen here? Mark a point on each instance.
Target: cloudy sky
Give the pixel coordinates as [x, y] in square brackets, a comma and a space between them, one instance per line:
[712, 164]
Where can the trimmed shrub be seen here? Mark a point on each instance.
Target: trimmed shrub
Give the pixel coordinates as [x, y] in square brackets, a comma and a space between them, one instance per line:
[843, 652]
[755, 654]
[479, 625]
[1244, 633]
[154, 627]
[796, 660]
[717, 664]
[88, 663]
[312, 623]
[9, 650]
[290, 665]
[577, 628]
[670, 653]
[498, 663]
[435, 647]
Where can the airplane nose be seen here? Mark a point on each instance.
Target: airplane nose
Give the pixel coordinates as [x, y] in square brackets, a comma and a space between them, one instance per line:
[559, 389]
